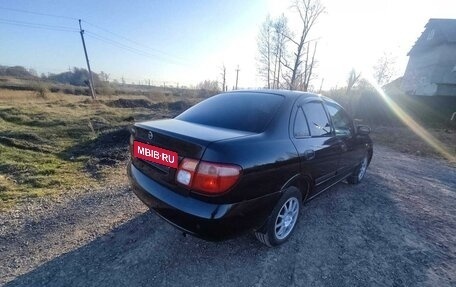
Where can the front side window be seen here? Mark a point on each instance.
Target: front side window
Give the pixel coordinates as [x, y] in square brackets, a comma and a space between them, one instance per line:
[317, 119]
[341, 121]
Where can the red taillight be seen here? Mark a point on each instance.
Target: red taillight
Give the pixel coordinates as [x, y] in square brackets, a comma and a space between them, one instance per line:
[207, 177]
[215, 178]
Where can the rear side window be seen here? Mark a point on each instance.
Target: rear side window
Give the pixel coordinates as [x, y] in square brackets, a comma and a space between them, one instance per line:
[317, 119]
[301, 129]
[249, 112]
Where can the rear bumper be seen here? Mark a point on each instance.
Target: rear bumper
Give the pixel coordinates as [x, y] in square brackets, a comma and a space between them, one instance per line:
[206, 220]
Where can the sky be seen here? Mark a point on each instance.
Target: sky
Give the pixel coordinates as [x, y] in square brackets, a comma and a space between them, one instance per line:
[185, 42]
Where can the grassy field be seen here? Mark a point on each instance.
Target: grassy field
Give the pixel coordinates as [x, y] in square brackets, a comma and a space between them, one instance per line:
[61, 143]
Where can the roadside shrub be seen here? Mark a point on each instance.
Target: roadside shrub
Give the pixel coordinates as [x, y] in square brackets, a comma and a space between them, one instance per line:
[81, 91]
[54, 89]
[41, 90]
[104, 90]
[68, 89]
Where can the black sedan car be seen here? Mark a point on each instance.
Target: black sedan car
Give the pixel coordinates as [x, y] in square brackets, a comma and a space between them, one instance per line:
[245, 160]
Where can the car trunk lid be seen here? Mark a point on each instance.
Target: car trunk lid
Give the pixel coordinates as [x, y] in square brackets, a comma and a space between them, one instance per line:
[188, 140]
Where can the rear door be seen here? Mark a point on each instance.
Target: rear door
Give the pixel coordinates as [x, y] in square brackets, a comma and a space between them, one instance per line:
[314, 139]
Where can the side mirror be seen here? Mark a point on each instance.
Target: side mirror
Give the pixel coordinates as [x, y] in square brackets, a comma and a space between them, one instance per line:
[363, 130]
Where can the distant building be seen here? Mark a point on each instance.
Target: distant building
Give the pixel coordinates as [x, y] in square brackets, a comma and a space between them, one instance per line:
[431, 70]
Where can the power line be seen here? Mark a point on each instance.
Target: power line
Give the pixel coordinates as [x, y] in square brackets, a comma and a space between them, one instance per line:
[37, 13]
[174, 59]
[130, 49]
[91, 34]
[165, 57]
[117, 44]
[37, 25]
[129, 40]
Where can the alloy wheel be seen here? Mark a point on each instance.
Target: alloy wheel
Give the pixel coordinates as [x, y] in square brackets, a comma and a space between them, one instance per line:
[286, 219]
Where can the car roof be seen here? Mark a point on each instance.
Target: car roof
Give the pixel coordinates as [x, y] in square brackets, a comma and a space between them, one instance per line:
[290, 95]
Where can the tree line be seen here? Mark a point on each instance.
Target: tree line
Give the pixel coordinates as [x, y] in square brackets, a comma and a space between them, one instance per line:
[75, 76]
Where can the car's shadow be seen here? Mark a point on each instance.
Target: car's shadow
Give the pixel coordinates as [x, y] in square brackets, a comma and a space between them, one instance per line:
[349, 236]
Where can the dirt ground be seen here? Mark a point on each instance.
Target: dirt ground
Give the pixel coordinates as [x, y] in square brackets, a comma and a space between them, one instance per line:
[396, 228]
[403, 139]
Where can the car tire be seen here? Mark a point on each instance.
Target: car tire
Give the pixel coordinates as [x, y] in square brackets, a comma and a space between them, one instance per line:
[360, 171]
[283, 219]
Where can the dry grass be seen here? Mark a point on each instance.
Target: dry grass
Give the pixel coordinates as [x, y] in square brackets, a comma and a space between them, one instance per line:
[45, 142]
[404, 140]
[17, 97]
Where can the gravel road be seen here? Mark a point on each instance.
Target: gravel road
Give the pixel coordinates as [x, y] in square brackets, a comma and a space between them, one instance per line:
[396, 228]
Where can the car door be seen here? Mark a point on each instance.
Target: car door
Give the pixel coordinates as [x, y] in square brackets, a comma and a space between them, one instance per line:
[317, 146]
[351, 150]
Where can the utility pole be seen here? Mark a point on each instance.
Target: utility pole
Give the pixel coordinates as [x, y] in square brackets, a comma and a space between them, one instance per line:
[92, 89]
[237, 76]
[223, 74]
[321, 85]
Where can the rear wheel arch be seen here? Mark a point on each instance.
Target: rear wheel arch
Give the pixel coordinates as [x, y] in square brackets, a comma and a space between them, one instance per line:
[300, 182]
[269, 233]
[370, 153]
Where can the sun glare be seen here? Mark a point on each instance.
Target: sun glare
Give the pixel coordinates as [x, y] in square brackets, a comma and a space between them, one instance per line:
[412, 124]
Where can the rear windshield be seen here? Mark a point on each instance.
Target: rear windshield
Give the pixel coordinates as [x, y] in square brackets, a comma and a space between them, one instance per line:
[249, 112]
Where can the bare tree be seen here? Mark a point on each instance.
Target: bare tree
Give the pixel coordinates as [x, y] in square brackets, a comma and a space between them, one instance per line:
[104, 77]
[353, 78]
[264, 42]
[272, 41]
[208, 85]
[309, 11]
[33, 72]
[279, 40]
[223, 74]
[384, 69]
[309, 66]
